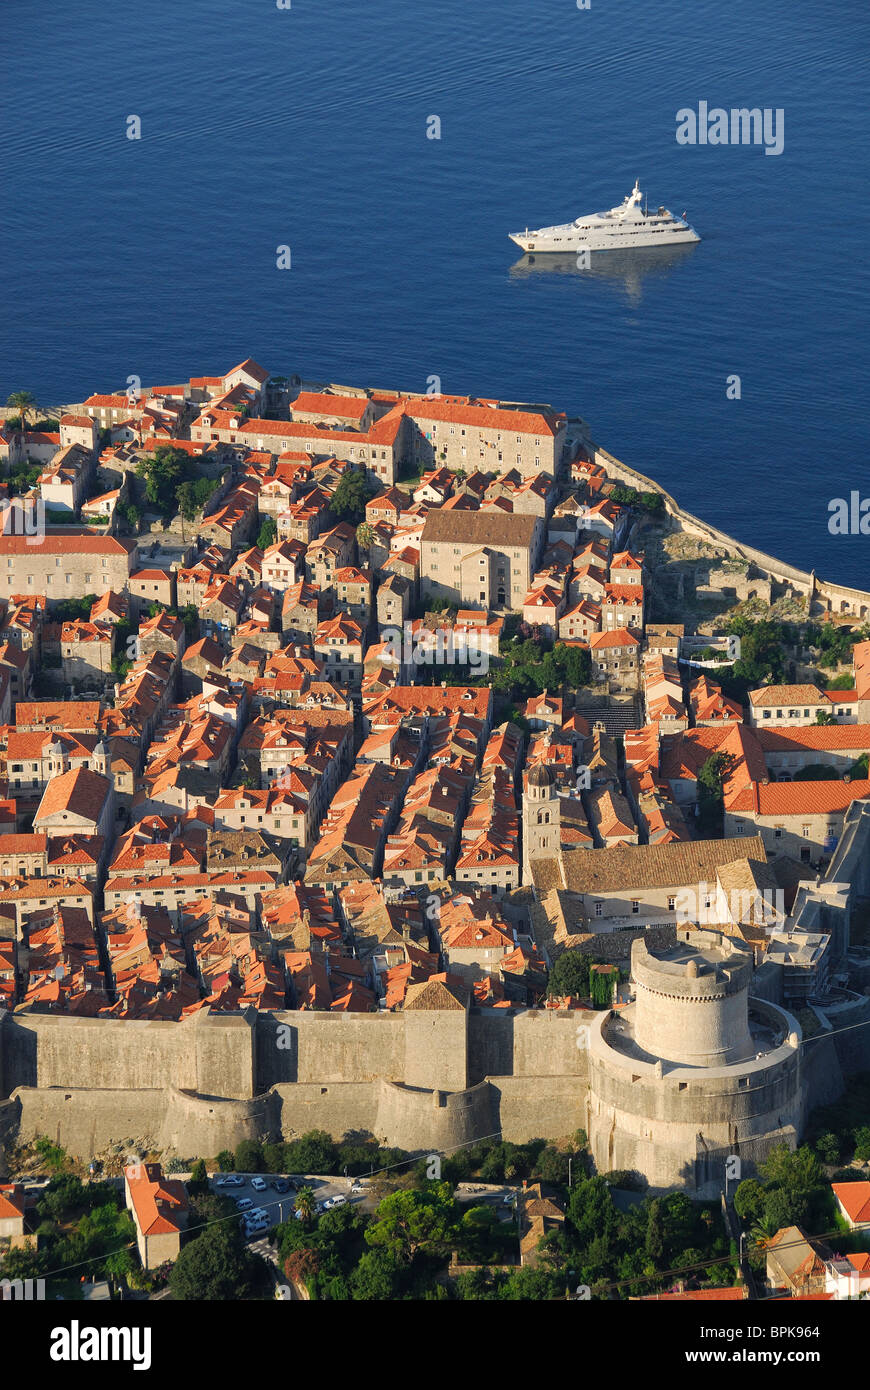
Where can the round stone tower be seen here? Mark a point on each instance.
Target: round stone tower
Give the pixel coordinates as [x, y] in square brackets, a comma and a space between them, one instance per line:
[694, 1074]
[692, 1001]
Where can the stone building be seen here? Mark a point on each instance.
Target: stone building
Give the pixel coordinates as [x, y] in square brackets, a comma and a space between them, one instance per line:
[159, 1208]
[67, 563]
[480, 559]
[463, 434]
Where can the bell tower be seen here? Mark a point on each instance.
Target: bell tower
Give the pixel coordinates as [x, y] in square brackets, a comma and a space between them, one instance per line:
[540, 818]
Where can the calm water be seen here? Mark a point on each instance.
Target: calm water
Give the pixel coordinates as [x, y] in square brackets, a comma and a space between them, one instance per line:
[306, 127]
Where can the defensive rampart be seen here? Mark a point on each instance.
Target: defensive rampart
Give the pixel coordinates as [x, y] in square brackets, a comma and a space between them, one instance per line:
[838, 598]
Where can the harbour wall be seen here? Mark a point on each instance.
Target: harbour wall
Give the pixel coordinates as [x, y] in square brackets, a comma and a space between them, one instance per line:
[838, 598]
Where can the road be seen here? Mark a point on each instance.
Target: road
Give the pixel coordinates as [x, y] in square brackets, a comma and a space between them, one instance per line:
[281, 1206]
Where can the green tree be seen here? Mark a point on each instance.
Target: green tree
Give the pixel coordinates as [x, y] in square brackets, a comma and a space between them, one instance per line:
[591, 1211]
[712, 773]
[783, 1207]
[348, 502]
[409, 1222]
[314, 1152]
[187, 507]
[601, 989]
[654, 1243]
[797, 1171]
[268, 533]
[215, 1266]
[862, 1143]
[189, 615]
[273, 1157]
[249, 1156]
[162, 471]
[749, 1200]
[305, 1203]
[365, 535]
[198, 1178]
[569, 976]
[25, 403]
[828, 1147]
[225, 1160]
[375, 1278]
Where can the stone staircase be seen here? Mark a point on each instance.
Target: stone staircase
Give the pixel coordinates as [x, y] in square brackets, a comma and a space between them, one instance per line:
[615, 716]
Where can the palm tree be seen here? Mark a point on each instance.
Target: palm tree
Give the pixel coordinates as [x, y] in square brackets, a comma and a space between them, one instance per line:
[365, 535]
[762, 1231]
[23, 402]
[305, 1204]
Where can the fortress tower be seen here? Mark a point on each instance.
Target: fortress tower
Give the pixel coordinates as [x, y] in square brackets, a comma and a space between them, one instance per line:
[692, 1002]
[694, 1072]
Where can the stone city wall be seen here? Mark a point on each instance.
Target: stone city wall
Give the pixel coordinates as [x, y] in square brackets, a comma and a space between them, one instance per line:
[838, 597]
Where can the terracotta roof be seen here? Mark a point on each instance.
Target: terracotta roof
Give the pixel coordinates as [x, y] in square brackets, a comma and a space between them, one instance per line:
[854, 1198]
[654, 866]
[815, 738]
[460, 412]
[799, 798]
[80, 792]
[619, 637]
[774, 695]
[71, 541]
[479, 528]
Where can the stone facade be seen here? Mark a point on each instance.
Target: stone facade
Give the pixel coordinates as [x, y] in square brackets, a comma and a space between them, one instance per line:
[68, 563]
[480, 559]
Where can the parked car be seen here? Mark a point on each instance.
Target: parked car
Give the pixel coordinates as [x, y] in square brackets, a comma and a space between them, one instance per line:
[339, 1201]
[357, 1187]
[259, 1184]
[243, 1203]
[280, 1185]
[232, 1180]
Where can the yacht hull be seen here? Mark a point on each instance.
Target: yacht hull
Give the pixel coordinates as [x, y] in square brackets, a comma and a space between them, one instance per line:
[571, 241]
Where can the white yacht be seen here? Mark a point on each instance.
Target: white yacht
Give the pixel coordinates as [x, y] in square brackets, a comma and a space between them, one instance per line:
[626, 227]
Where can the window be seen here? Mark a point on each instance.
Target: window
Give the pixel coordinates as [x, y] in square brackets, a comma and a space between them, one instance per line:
[672, 903]
[599, 909]
[635, 907]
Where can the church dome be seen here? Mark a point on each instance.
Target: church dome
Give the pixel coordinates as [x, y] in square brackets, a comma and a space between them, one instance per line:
[540, 776]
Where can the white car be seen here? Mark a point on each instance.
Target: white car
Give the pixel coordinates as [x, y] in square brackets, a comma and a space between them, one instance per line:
[259, 1184]
[243, 1203]
[357, 1187]
[339, 1201]
[231, 1180]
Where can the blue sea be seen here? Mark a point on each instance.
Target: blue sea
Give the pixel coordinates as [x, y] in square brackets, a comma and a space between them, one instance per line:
[306, 127]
